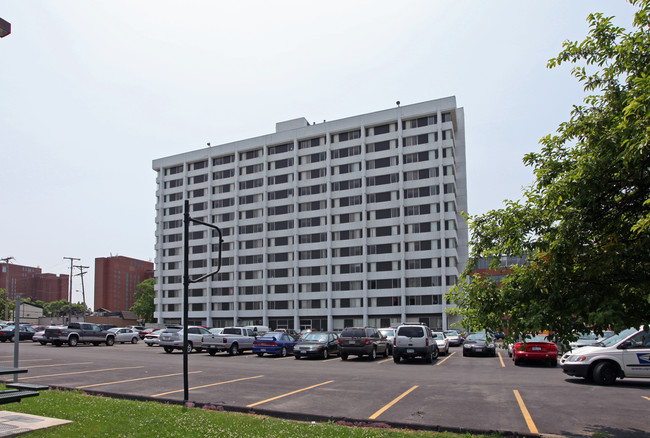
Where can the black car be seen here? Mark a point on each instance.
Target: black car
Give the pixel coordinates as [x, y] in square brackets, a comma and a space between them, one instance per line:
[476, 344]
[25, 332]
[317, 344]
[362, 341]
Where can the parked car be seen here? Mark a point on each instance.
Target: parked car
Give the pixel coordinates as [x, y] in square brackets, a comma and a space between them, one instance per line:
[317, 344]
[538, 348]
[584, 340]
[279, 344]
[153, 338]
[362, 341]
[172, 338]
[216, 331]
[413, 340]
[123, 335]
[442, 341]
[477, 344]
[291, 332]
[626, 354]
[389, 333]
[24, 332]
[146, 331]
[454, 337]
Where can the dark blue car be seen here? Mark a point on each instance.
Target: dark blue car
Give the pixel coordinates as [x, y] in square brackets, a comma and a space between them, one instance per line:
[279, 344]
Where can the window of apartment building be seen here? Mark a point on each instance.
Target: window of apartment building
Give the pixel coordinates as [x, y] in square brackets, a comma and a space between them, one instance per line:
[385, 213]
[200, 206]
[172, 265]
[172, 279]
[346, 152]
[249, 155]
[448, 170]
[251, 259]
[417, 157]
[446, 117]
[423, 300]
[382, 197]
[251, 244]
[447, 134]
[423, 227]
[351, 268]
[419, 264]
[312, 190]
[419, 282]
[280, 241]
[312, 238]
[450, 225]
[251, 290]
[251, 184]
[254, 168]
[197, 193]
[221, 291]
[346, 168]
[223, 203]
[312, 158]
[420, 192]
[346, 201]
[226, 159]
[346, 235]
[167, 225]
[171, 293]
[380, 163]
[346, 136]
[311, 143]
[388, 266]
[313, 287]
[280, 209]
[281, 225]
[312, 304]
[280, 257]
[222, 307]
[347, 285]
[171, 307]
[250, 305]
[385, 283]
[280, 194]
[171, 251]
[451, 280]
[308, 271]
[172, 238]
[280, 289]
[422, 245]
[312, 174]
[196, 292]
[280, 164]
[381, 146]
[346, 218]
[279, 273]
[449, 188]
[346, 185]
[451, 262]
[224, 188]
[251, 214]
[223, 174]
[279, 149]
[379, 180]
[199, 165]
[349, 251]
[416, 210]
[250, 275]
[280, 179]
[173, 210]
[450, 206]
[416, 140]
[384, 248]
[251, 229]
[174, 197]
[199, 249]
[450, 243]
[386, 301]
[313, 254]
[280, 305]
[224, 217]
[384, 231]
[225, 261]
[415, 175]
[312, 206]
[173, 183]
[420, 122]
[381, 129]
[251, 199]
[174, 170]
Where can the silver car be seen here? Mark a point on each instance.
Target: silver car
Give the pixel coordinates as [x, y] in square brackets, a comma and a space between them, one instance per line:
[389, 333]
[123, 335]
[172, 339]
[442, 341]
[152, 338]
[454, 337]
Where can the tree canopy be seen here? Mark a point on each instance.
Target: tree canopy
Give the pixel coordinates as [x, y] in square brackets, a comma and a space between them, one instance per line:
[584, 223]
[144, 306]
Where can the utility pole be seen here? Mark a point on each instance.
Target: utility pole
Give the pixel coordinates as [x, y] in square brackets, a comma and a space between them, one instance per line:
[83, 292]
[72, 259]
[6, 260]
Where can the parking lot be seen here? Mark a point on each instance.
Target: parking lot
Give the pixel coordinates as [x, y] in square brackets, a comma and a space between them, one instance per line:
[455, 392]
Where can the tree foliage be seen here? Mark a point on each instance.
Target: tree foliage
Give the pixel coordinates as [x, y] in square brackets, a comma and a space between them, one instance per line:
[584, 223]
[144, 306]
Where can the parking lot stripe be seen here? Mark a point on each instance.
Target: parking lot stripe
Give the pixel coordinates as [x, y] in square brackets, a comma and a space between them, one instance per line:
[443, 360]
[526, 414]
[26, 360]
[503, 365]
[79, 372]
[647, 398]
[134, 380]
[288, 394]
[384, 361]
[205, 386]
[59, 365]
[389, 405]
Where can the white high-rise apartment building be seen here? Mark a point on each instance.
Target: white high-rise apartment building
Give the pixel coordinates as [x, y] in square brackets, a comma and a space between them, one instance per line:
[353, 222]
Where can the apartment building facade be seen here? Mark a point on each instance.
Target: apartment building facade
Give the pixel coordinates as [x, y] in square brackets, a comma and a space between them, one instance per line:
[343, 223]
[31, 282]
[116, 281]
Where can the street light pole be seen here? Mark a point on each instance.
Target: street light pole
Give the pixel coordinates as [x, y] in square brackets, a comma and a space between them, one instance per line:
[72, 259]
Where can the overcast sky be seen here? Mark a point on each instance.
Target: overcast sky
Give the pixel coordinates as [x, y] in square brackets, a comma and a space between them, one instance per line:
[92, 92]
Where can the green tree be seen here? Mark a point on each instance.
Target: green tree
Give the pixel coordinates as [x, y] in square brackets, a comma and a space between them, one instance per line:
[3, 299]
[144, 300]
[584, 223]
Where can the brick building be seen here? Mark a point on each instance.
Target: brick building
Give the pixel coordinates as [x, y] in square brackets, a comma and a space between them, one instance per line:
[31, 282]
[116, 279]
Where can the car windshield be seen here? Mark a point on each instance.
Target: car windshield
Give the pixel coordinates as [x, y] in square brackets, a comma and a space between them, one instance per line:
[587, 337]
[476, 337]
[438, 335]
[353, 333]
[276, 335]
[113, 330]
[410, 332]
[316, 337]
[451, 333]
[387, 332]
[615, 339]
[172, 330]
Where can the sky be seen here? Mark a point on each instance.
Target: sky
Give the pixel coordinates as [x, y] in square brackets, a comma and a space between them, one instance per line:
[92, 92]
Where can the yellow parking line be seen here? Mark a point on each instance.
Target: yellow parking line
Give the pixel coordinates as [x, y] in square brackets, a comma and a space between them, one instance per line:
[443, 360]
[283, 358]
[133, 380]
[384, 361]
[526, 414]
[59, 365]
[647, 398]
[503, 365]
[389, 405]
[27, 360]
[205, 386]
[288, 394]
[79, 372]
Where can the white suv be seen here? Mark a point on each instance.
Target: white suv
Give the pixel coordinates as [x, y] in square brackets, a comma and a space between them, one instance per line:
[413, 340]
[172, 338]
[626, 354]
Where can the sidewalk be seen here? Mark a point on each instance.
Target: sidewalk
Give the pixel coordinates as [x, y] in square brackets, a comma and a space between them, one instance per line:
[15, 423]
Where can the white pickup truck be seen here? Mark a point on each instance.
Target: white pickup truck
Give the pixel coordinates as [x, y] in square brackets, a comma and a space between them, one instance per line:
[626, 354]
[234, 340]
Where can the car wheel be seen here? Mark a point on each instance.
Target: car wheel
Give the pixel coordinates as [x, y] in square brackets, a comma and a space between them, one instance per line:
[134, 340]
[110, 341]
[189, 347]
[283, 352]
[3, 340]
[297, 357]
[552, 363]
[57, 343]
[386, 351]
[373, 354]
[517, 362]
[344, 356]
[465, 353]
[199, 349]
[73, 341]
[212, 352]
[234, 350]
[42, 342]
[122, 342]
[435, 353]
[168, 349]
[396, 358]
[260, 354]
[428, 358]
[95, 343]
[604, 374]
[325, 353]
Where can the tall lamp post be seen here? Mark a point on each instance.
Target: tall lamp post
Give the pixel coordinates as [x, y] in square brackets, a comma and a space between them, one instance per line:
[5, 28]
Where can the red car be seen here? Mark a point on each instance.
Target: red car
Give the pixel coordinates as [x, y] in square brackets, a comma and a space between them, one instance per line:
[538, 348]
